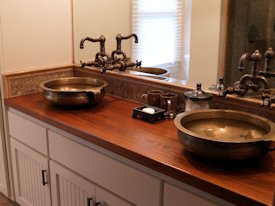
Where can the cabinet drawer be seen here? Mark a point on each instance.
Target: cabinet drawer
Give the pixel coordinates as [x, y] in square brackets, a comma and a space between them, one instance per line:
[133, 185]
[28, 132]
[175, 196]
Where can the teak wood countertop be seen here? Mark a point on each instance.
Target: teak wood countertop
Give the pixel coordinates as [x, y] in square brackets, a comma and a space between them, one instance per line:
[111, 126]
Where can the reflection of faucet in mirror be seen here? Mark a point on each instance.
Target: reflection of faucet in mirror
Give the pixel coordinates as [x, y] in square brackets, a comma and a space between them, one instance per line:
[248, 81]
[101, 56]
[269, 56]
[118, 50]
[121, 63]
[118, 63]
[103, 60]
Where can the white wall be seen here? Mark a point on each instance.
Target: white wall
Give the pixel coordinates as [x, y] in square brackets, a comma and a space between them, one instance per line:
[35, 34]
[205, 42]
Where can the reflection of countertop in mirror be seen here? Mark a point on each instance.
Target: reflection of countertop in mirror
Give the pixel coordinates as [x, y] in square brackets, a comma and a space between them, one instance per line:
[143, 75]
[110, 126]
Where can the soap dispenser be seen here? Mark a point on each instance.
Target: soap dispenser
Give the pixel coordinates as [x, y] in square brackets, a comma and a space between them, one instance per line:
[197, 99]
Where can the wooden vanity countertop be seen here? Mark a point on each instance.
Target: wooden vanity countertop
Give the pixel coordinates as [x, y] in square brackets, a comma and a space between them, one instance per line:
[156, 146]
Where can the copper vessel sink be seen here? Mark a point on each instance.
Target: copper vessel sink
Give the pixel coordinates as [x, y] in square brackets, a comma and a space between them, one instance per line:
[225, 134]
[73, 91]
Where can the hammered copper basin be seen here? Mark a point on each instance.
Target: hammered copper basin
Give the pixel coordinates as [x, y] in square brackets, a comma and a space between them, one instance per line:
[225, 134]
[73, 91]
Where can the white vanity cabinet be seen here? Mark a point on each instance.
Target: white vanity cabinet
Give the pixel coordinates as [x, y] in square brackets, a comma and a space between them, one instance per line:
[53, 167]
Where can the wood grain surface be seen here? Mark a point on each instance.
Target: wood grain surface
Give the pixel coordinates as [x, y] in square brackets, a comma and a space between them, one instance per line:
[111, 126]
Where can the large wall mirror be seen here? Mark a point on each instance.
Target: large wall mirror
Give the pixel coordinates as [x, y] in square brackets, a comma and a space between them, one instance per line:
[251, 26]
[214, 54]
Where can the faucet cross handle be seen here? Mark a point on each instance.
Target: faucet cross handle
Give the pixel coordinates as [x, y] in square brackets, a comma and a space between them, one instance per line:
[268, 99]
[220, 87]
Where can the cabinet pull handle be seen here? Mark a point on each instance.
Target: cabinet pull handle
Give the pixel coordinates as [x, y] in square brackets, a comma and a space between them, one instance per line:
[44, 177]
[90, 201]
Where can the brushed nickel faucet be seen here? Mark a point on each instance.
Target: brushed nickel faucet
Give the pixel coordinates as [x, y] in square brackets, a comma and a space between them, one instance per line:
[248, 81]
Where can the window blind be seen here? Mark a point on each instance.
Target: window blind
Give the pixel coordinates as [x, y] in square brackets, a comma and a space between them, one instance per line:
[159, 25]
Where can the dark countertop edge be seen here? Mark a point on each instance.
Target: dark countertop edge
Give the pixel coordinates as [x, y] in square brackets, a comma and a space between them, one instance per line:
[155, 165]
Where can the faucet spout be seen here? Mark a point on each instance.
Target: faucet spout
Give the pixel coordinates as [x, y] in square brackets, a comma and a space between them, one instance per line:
[253, 58]
[269, 56]
[119, 38]
[243, 61]
[101, 39]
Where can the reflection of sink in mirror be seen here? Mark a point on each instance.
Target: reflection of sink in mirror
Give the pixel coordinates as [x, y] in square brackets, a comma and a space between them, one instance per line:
[258, 94]
[164, 76]
[149, 70]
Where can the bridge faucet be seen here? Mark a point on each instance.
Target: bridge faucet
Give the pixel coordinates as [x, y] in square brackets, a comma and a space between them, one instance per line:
[247, 81]
[99, 55]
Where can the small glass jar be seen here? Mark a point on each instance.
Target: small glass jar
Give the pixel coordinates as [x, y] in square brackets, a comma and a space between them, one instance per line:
[197, 99]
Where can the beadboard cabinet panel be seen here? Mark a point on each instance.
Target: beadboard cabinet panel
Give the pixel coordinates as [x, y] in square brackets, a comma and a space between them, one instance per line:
[68, 189]
[30, 173]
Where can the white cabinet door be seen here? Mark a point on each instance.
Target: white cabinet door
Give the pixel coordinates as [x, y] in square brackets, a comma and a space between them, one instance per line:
[70, 189]
[30, 172]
